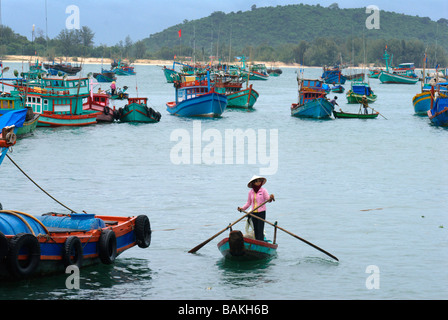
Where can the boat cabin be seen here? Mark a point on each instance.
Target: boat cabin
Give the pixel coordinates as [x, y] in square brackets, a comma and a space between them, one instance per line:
[310, 90]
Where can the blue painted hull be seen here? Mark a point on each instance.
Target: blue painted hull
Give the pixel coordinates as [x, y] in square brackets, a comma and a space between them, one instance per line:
[422, 103]
[41, 245]
[253, 250]
[206, 105]
[439, 113]
[318, 108]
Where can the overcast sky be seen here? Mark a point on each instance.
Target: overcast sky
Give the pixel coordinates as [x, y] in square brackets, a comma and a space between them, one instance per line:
[113, 20]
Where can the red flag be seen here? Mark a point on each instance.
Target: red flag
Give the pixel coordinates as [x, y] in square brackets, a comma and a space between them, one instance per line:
[180, 32]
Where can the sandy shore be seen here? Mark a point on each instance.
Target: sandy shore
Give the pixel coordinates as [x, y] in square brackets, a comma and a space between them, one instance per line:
[14, 58]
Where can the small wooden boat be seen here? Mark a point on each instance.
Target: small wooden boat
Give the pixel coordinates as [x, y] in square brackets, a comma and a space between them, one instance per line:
[136, 110]
[105, 76]
[312, 101]
[99, 103]
[32, 246]
[338, 89]
[346, 115]
[237, 97]
[196, 98]
[238, 247]
[358, 90]
[333, 75]
[39, 245]
[10, 103]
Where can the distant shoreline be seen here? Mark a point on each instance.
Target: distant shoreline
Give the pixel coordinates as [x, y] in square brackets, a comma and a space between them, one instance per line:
[106, 61]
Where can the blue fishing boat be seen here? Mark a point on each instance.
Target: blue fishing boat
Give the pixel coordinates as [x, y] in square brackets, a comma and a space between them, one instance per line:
[105, 76]
[312, 101]
[338, 89]
[196, 98]
[238, 247]
[333, 75]
[32, 246]
[438, 113]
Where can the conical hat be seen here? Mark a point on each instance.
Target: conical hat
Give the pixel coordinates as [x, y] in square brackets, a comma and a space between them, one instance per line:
[249, 185]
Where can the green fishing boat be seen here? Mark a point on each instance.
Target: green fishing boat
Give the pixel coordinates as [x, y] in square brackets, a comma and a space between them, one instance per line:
[358, 90]
[137, 111]
[346, 115]
[237, 97]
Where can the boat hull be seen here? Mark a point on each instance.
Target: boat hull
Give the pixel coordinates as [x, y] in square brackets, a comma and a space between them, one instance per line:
[135, 112]
[48, 119]
[245, 98]
[50, 243]
[357, 98]
[28, 126]
[422, 103]
[252, 249]
[207, 105]
[438, 114]
[345, 115]
[319, 108]
[387, 77]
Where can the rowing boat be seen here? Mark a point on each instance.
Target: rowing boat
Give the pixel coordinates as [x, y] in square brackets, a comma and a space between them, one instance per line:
[238, 247]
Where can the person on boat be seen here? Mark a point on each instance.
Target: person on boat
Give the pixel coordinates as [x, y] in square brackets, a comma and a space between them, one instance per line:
[113, 87]
[365, 104]
[256, 196]
[333, 101]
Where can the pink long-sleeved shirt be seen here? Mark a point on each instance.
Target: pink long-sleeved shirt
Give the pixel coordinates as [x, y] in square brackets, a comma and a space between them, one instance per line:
[262, 196]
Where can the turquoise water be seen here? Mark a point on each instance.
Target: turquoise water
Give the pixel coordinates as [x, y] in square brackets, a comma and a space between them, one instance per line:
[371, 192]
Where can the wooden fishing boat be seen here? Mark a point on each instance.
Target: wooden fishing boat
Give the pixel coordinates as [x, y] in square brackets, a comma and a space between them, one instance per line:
[66, 68]
[438, 113]
[404, 74]
[333, 75]
[10, 103]
[32, 246]
[346, 115]
[105, 76]
[39, 245]
[123, 69]
[59, 101]
[99, 103]
[374, 73]
[137, 110]
[358, 90]
[196, 98]
[237, 97]
[355, 77]
[238, 247]
[312, 101]
[338, 89]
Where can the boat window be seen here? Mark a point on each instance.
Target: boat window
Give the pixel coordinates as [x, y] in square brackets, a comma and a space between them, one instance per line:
[45, 101]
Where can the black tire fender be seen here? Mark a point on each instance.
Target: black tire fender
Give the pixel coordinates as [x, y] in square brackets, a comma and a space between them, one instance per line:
[107, 246]
[23, 268]
[143, 231]
[72, 252]
[3, 246]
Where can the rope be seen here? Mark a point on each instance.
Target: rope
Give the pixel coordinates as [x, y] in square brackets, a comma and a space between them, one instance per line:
[38, 185]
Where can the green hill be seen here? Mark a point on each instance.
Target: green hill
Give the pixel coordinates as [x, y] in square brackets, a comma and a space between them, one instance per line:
[305, 34]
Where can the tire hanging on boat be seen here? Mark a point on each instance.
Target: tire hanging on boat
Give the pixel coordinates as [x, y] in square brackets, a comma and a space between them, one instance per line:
[107, 246]
[143, 231]
[72, 248]
[3, 246]
[23, 268]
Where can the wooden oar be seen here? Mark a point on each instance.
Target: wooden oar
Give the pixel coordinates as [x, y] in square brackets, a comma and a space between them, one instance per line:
[199, 246]
[295, 236]
[376, 111]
